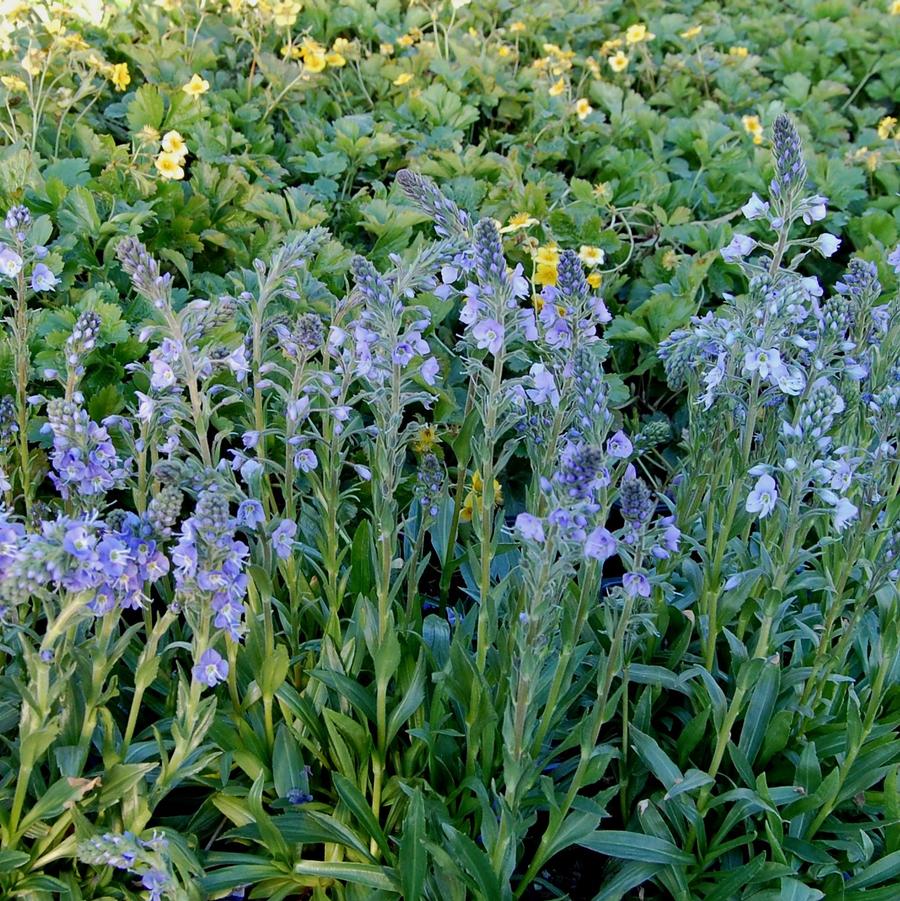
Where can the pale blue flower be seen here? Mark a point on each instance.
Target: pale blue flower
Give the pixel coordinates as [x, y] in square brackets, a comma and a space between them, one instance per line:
[763, 496]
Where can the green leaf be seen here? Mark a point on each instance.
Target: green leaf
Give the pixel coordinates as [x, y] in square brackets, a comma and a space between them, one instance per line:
[362, 812]
[357, 873]
[146, 109]
[287, 762]
[759, 711]
[413, 858]
[636, 846]
[880, 871]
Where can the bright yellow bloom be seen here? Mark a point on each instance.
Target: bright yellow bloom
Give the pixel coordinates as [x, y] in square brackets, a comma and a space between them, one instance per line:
[557, 88]
[548, 255]
[740, 52]
[545, 274]
[504, 51]
[426, 438]
[169, 166]
[285, 13]
[196, 86]
[120, 76]
[314, 62]
[886, 127]
[635, 34]
[692, 32]
[406, 40]
[335, 59]
[403, 78]
[895, 8]
[618, 62]
[13, 83]
[517, 27]
[582, 108]
[344, 47]
[517, 222]
[386, 49]
[173, 143]
[590, 255]
[595, 279]
[474, 499]
[753, 127]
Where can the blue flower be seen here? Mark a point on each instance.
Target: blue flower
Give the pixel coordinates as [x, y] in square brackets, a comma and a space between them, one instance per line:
[250, 514]
[282, 538]
[531, 528]
[42, 279]
[211, 668]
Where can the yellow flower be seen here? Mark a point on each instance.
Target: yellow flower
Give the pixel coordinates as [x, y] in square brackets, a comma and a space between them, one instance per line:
[740, 52]
[335, 59]
[475, 497]
[504, 50]
[517, 27]
[54, 26]
[607, 47]
[582, 108]
[120, 76]
[517, 222]
[344, 47]
[669, 259]
[406, 40]
[292, 51]
[386, 49]
[557, 88]
[173, 144]
[692, 32]
[426, 438]
[13, 83]
[602, 191]
[590, 255]
[635, 34]
[33, 62]
[196, 86]
[545, 274]
[148, 135]
[285, 13]
[403, 78]
[618, 62]
[169, 166]
[753, 127]
[314, 63]
[593, 65]
[548, 255]
[886, 126]
[895, 8]
[595, 279]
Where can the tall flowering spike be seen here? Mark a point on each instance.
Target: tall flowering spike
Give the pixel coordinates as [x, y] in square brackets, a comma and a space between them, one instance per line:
[429, 483]
[860, 282]
[679, 353]
[590, 394]
[490, 262]
[144, 271]
[570, 280]
[8, 424]
[580, 471]
[790, 166]
[82, 340]
[370, 282]
[637, 502]
[164, 509]
[449, 219]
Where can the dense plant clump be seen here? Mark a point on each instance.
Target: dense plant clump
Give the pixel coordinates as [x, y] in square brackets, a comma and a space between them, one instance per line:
[449, 452]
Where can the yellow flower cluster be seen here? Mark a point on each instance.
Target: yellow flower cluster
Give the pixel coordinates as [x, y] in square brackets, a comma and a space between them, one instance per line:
[887, 128]
[425, 440]
[317, 57]
[738, 52]
[475, 498]
[753, 127]
[692, 32]
[869, 158]
[170, 161]
[556, 61]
